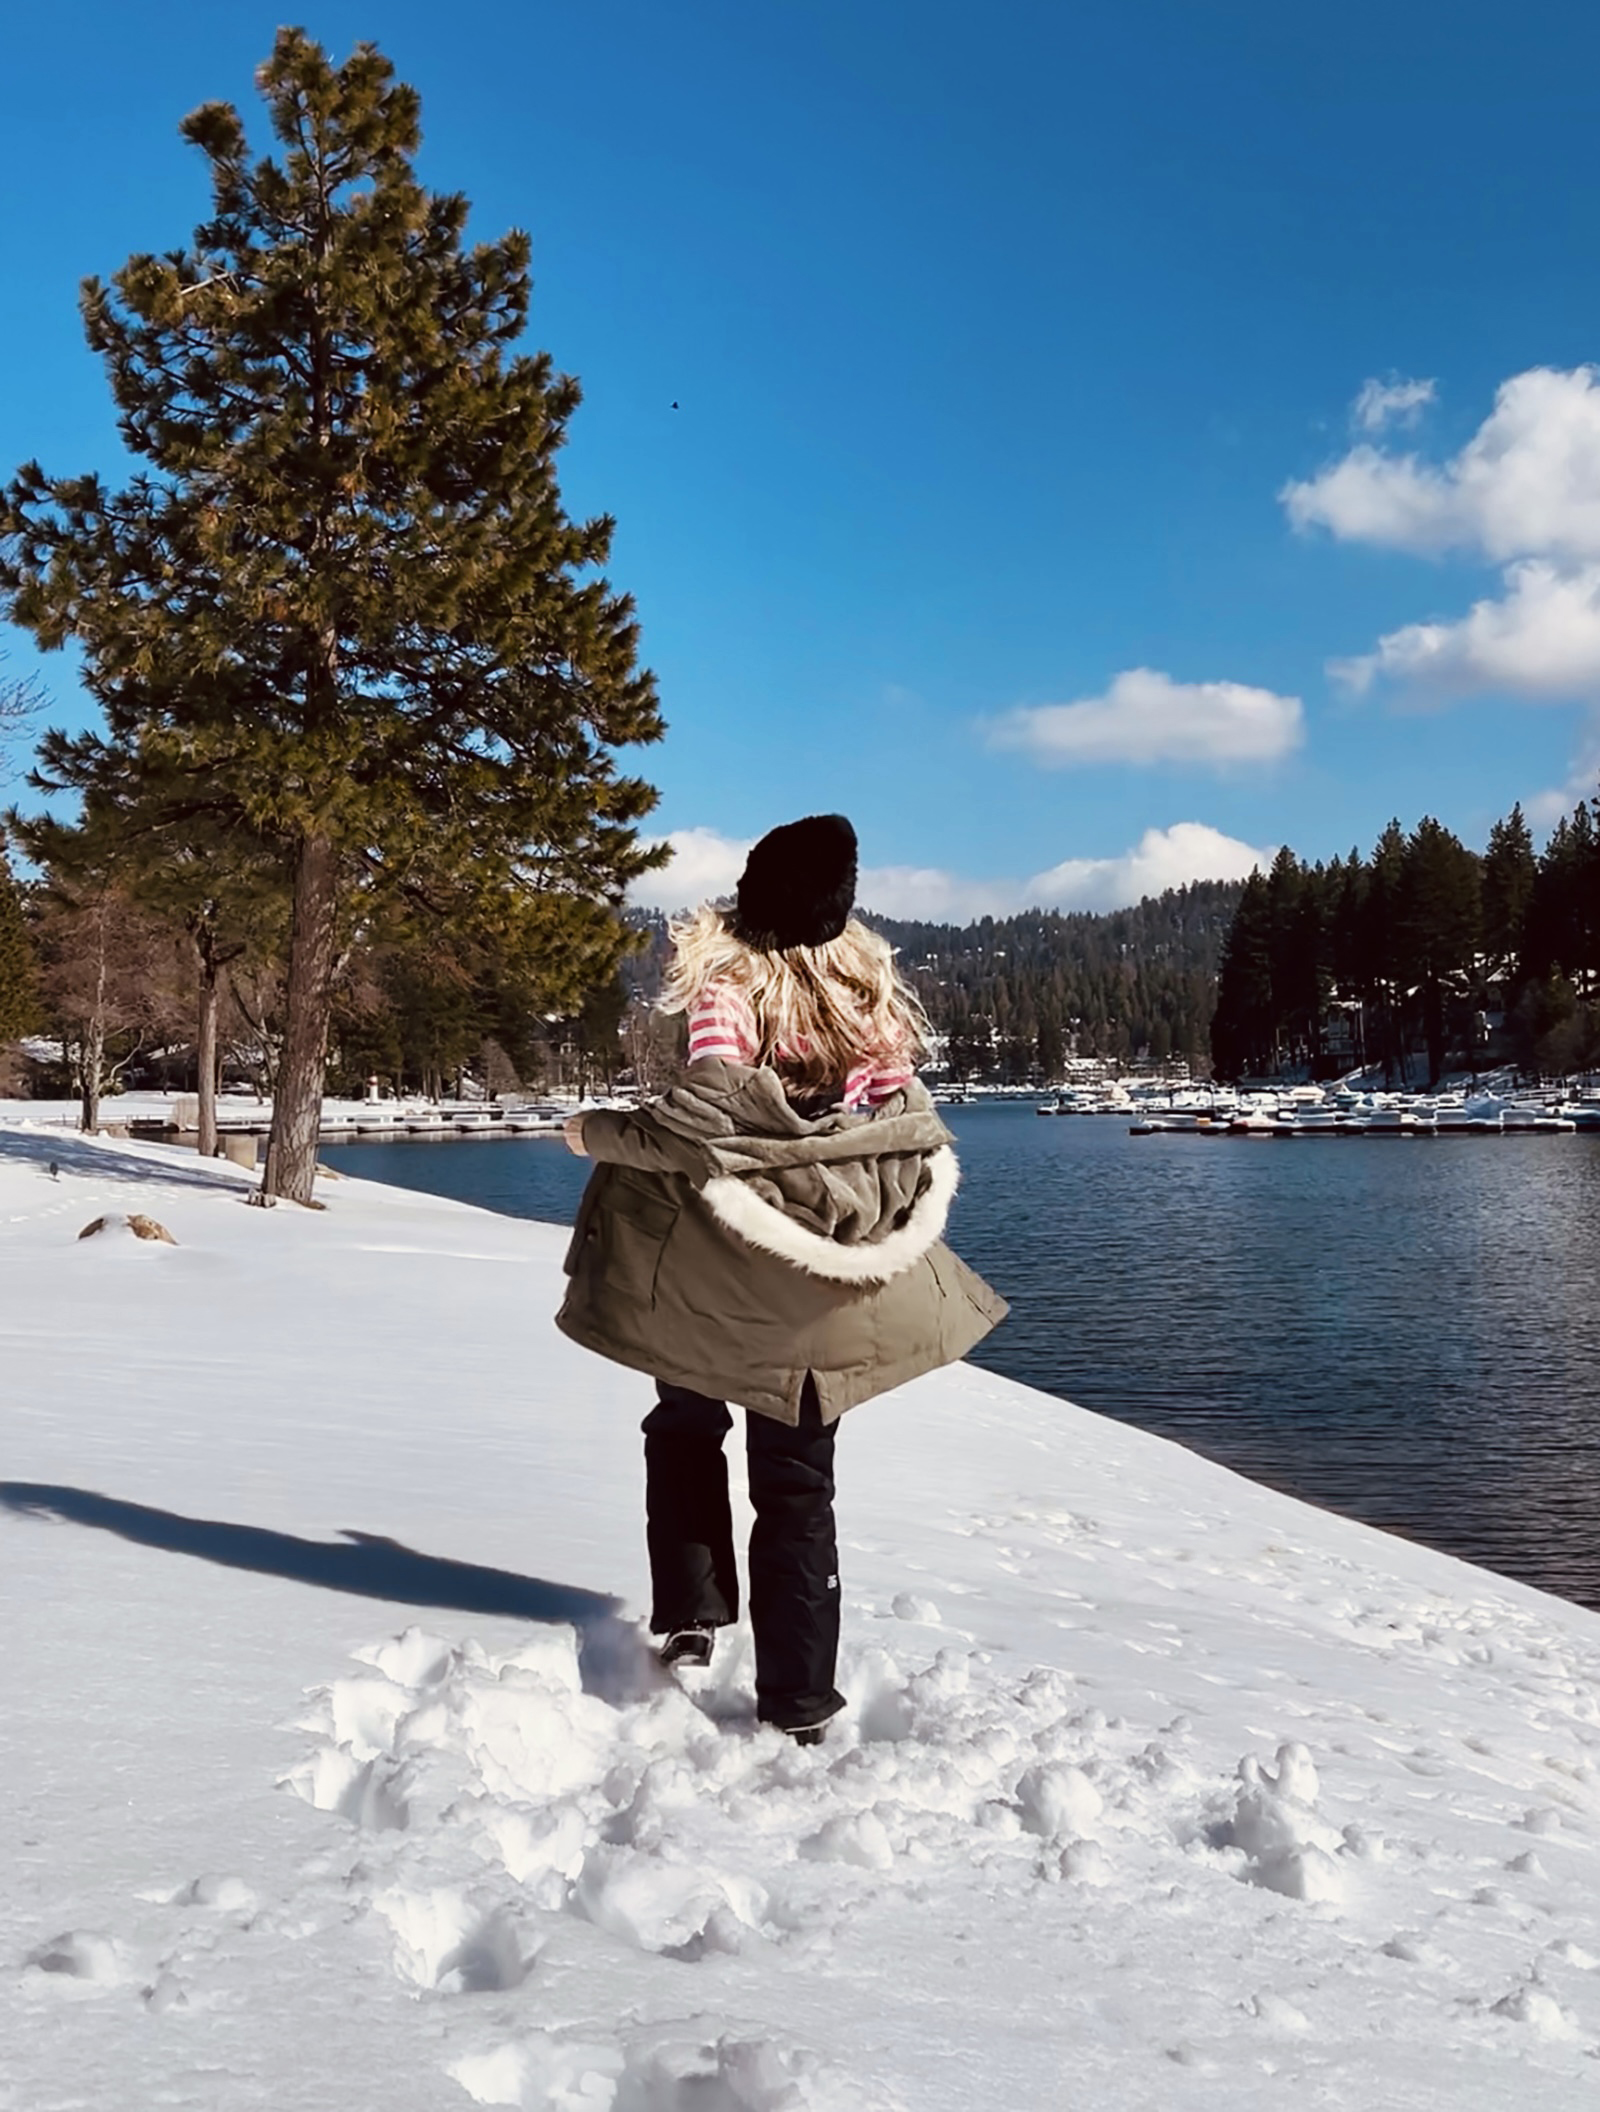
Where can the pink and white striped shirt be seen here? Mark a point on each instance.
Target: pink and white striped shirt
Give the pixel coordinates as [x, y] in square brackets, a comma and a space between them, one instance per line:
[722, 1023]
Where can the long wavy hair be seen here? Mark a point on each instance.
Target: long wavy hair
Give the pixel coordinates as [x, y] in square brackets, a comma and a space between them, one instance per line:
[819, 1010]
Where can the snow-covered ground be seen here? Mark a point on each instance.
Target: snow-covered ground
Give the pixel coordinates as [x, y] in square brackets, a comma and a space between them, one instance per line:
[334, 1771]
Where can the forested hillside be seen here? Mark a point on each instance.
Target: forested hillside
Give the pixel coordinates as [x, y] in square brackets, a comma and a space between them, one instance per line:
[1018, 995]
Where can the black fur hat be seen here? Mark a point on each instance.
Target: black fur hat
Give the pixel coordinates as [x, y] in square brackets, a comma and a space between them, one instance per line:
[798, 886]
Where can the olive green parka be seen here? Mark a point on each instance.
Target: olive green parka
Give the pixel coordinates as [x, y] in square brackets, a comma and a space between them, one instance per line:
[729, 1243]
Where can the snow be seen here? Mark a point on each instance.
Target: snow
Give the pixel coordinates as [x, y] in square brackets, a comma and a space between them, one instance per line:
[335, 1769]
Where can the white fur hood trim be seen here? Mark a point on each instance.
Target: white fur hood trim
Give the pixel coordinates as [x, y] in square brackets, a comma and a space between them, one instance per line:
[761, 1224]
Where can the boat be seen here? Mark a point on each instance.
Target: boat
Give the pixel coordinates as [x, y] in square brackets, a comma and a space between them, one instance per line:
[1314, 1121]
[1395, 1120]
[546, 1120]
[1251, 1122]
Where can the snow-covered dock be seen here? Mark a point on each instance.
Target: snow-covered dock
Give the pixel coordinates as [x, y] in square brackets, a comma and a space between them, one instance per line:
[334, 1771]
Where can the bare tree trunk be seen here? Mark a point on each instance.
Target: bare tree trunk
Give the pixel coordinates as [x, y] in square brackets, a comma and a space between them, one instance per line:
[205, 1050]
[297, 1107]
[94, 1040]
[90, 1061]
[266, 1074]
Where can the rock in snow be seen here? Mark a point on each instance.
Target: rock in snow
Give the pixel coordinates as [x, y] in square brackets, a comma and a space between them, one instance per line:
[335, 1769]
[137, 1223]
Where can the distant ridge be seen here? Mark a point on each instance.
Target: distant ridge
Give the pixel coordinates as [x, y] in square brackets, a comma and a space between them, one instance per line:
[1018, 995]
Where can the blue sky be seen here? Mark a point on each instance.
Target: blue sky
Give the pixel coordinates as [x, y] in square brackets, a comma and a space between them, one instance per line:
[1022, 500]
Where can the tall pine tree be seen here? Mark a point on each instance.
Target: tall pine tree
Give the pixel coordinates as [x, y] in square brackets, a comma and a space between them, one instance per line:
[343, 601]
[19, 1008]
[1510, 871]
[1438, 928]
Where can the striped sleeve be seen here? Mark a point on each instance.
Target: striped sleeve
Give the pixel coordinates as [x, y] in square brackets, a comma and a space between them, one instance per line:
[722, 1024]
[886, 1081]
[870, 1084]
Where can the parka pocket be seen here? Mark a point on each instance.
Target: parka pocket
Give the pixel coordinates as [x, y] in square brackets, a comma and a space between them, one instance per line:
[627, 1240]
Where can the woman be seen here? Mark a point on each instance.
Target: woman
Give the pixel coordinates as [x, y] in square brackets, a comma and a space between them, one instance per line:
[768, 1233]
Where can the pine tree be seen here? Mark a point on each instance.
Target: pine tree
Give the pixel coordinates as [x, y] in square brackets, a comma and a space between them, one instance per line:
[19, 1003]
[1243, 1026]
[1562, 927]
[343, 599]
[1438, 926]
[1510, 871]
[1377, 949]
[1050, 1048]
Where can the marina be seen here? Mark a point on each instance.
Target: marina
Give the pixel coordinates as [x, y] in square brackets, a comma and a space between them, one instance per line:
[1342, 1110]
[1146, 1107]
[344, 1121]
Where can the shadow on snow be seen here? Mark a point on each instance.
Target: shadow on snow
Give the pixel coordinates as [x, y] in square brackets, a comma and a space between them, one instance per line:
[366, 1565]
[69, 1152]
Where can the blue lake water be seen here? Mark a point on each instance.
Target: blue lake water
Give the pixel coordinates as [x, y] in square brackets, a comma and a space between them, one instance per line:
[1405, 1330]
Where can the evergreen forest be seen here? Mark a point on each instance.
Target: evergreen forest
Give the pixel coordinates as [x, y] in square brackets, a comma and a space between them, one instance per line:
[1422, 957]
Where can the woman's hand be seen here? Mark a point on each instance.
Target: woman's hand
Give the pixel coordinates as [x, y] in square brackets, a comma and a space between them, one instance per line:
[572, 1130]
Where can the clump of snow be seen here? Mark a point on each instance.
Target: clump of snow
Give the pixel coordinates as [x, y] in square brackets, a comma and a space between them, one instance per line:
[228, 1895]
[910, 1606]
[1286, 1847]
[1058, 1800]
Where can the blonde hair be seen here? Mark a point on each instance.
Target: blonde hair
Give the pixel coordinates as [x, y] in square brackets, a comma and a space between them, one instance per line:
[819, 1010]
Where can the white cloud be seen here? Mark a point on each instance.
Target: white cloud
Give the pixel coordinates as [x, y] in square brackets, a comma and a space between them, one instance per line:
[1527, 484]
[706, 864]
[928, 892]
[1393, 402]
[1544, 809]
[1540, 640]
[1146, 717]
[1162, 858]
[1524, 492]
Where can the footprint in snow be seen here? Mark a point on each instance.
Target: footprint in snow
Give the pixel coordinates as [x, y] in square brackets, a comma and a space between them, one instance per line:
[83, 1956]
[446, 1943]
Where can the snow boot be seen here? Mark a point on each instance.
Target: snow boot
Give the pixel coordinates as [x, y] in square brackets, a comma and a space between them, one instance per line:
[689, 1647]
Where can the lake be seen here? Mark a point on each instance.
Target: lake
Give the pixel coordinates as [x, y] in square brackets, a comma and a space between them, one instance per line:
[1406, 1330]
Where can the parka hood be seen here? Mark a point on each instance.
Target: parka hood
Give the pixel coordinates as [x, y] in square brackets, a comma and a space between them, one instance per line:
[850, 1197]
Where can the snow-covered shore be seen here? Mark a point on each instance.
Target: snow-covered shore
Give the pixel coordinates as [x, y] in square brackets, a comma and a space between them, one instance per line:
[333, 1771]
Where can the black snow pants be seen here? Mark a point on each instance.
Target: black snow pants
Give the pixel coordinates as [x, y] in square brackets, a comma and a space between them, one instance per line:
[794, 1560]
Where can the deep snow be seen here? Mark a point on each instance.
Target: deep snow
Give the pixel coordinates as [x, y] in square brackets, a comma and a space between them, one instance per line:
[334, 1770]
